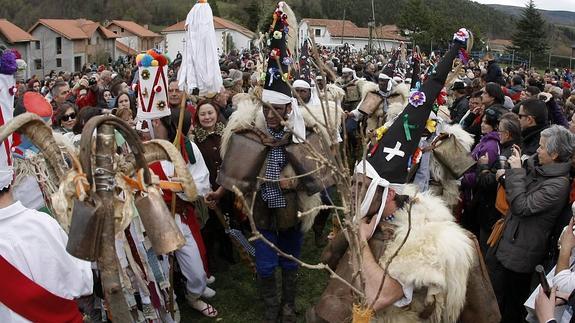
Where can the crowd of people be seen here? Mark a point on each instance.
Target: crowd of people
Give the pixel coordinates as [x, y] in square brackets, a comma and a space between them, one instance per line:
[515, 124]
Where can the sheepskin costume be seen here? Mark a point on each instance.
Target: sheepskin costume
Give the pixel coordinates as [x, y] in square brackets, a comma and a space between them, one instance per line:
[397, 101]
[436, 260]
[248, 115]
[448, 187]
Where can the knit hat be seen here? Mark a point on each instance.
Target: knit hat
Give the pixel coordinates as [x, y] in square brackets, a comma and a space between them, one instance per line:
[304, 68]
[152, 85]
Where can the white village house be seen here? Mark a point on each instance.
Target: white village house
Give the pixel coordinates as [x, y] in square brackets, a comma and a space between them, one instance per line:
[12, 36]
[67, 45]
[328, 32]
[133, 38]
[236, 36]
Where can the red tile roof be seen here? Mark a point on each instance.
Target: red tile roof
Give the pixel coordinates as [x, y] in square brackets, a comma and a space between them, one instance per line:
[347, 29]
[219, 23]
[134, 28]
[74, 29]
[125, 49]
[13, 33]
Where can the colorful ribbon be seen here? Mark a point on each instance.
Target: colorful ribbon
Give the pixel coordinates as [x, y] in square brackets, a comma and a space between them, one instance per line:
[408, 127]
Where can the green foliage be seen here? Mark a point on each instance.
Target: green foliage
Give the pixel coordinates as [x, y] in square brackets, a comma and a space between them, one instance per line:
[531, 31]
[237, 299]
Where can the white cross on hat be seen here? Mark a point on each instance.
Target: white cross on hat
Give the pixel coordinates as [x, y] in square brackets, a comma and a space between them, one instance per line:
[392, 152]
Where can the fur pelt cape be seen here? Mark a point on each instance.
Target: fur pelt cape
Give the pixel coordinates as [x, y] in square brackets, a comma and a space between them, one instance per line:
[247, 115]
[436, 260]
[397, 101]
[448, 187]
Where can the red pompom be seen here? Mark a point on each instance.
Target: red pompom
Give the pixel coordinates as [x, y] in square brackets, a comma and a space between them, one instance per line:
[158, 89]
[162, 60]
[16, 53]
[154, 54]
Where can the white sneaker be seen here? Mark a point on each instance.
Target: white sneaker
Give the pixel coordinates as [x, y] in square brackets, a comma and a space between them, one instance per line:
[211, 280]
[208, 293]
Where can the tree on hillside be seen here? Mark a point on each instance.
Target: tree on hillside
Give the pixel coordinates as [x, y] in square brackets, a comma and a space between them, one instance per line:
[530, 34]
[414, 17]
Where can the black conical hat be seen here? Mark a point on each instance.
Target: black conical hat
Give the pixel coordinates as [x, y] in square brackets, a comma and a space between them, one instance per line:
[304, 68]
[390, 156]
[276, 79]
[389, 68]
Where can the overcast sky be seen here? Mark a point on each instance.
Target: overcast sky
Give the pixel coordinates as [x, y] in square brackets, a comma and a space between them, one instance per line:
[566, 5]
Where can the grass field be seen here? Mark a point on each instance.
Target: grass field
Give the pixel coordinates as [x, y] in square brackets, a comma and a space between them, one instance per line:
[237, 300]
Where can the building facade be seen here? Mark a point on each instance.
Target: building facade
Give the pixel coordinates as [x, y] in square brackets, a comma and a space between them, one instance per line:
[12, 36]
[69, 45]
[228, 34]
[135, 38]
[334, 33]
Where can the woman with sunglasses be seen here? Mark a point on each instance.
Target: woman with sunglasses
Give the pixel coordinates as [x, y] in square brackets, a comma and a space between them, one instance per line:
[65, 118]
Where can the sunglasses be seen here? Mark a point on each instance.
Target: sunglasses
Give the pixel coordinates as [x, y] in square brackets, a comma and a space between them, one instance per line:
[523, 115]
[68, 117]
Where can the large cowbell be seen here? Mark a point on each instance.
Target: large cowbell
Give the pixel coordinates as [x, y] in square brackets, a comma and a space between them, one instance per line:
[85, 230]
[160, 226]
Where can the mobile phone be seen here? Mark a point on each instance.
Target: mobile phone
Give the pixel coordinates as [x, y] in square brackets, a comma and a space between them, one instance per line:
[543, 280]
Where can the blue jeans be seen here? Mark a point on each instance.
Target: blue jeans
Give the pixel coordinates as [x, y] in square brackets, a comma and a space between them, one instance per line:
[289, 241]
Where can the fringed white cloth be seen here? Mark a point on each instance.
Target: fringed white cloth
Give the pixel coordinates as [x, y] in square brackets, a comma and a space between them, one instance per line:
[364, 167]
[200, 65]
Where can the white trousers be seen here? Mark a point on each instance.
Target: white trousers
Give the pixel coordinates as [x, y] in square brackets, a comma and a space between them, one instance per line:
[191, 262]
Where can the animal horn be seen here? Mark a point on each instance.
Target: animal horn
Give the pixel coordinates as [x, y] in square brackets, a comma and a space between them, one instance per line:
[157, 150]
[40, 134]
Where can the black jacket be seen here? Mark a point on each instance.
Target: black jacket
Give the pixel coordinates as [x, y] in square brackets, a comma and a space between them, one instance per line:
[531, 138]
[494, 73]
[458, 109]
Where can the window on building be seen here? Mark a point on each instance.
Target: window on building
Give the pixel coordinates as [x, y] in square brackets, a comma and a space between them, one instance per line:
[89, 41]
[115, 32]
[97, 40]
[58, 62]
[77, 63]
[318, 32]
[122, 29]
[37, 43]
[58, 45]
[38, 64]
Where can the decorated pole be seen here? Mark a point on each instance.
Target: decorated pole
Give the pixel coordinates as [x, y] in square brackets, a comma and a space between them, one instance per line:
[108, 260]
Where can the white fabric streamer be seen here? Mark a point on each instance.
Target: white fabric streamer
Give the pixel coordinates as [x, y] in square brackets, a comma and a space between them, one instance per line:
[7, 110]
[297, 123]
[376, 181]
[200, 65]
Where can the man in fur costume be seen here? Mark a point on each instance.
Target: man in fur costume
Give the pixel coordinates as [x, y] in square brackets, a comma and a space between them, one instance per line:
[257, 144]
[381, 101]
[428, 278]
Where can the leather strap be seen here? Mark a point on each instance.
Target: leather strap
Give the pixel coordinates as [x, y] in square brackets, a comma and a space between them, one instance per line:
[130, 134]
[32, 301]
